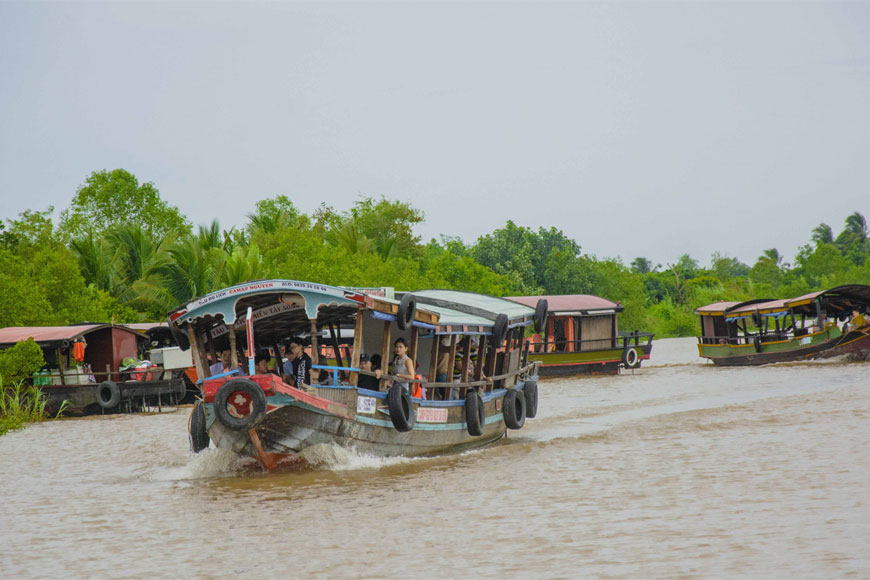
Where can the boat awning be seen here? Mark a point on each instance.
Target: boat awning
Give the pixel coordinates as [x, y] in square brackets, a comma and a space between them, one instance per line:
[716, 309]
[457, 308]
[572, 304]
[52, 335]
[841, 298]
[760, 307]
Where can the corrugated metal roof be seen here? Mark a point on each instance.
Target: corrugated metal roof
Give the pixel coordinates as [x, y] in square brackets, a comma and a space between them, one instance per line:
[764, 306]
[568, 302]
[479, 302]
[47, 334]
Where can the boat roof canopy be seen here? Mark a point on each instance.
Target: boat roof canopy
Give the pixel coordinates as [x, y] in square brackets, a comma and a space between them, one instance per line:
[459, 308]
[577, 304]
[839, 299]
[54, 336]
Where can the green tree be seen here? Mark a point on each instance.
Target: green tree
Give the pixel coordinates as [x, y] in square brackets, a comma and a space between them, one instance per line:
[112, 198]
[20, 361]
[823, 234]
[643, 266]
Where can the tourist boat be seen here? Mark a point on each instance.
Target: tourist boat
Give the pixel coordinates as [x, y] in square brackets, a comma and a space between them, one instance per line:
[265, 417]
[85, 367]
[582, 336]
[763, 331]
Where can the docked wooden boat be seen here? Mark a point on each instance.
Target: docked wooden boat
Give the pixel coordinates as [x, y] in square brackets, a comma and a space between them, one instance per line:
[582, 336]
[85, 367]
[266, 417]
[762, 331]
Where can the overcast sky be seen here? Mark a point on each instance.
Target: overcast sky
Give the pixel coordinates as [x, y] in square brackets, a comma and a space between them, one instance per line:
[639, 129]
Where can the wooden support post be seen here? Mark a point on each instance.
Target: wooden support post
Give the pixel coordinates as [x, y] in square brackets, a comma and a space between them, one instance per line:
[201, 370]
[506, 362]
[412, 348]
[433, 365]
[481, 357]
[357, 344]
[234, 352]
[60, 368]
[385, 349]
[451, 362]
[466, 357]
[315, 352]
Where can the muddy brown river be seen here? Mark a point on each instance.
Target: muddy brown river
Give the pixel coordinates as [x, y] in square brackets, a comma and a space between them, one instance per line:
[681, 469]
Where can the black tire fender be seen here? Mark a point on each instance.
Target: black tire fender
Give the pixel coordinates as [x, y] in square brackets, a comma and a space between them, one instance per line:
[499, 330]
[407, 308]
[401, 408]
[196, 430]
[630, 358]
[108, 394]
[257, 406]
[475, 416]
[514, 409]
[180, 337]
[541, 309]
[530, 391]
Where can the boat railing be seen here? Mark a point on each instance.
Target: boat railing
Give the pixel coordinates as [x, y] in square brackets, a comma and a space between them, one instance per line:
[487, 382]
[77, 378]
[623, 340]
[763, 337]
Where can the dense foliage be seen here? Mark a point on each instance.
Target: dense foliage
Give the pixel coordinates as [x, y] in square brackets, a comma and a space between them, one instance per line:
[119, 252]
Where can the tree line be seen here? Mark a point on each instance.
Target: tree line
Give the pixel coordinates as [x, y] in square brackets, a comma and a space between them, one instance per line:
[120, 253]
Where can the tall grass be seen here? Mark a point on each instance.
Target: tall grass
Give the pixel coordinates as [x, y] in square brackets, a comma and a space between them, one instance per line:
[20, 404]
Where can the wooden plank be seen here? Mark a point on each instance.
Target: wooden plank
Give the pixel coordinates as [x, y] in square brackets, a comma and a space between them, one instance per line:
[466, 357]
[201, 372]
[357, 344]
[385, 350]
[234, 350]
[415, 335]
[315, 352]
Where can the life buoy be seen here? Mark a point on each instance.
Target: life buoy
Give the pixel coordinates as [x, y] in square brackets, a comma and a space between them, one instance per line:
[407, 308]
[108, 394]
[499, 330]
[196, 430]
[530, 390]
[630, 358]
[541, 309]
[240, 405]
[401, 408]
[475, 416]
[514, 409]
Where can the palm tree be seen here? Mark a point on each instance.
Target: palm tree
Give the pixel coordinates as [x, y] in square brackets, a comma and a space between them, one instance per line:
[857, 226]
[823, 234]
[97, 261]
[773, 255]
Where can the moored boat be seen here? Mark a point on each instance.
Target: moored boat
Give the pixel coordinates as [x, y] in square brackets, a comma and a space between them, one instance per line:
[267, 417]
[582, 336]
[762, 331]
[92, 367]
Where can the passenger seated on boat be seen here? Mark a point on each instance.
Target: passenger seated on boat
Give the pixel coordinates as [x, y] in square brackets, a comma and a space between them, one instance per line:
[858, 320]
[366, 381]
[301, 363]
[443, 366]
[224, 365]
[261, 365]
[402, 366]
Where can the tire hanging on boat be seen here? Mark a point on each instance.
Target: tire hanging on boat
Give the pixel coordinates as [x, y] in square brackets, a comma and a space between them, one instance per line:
[475, 416]
[499, 330]
[514, 409]
[238, 394]
[108, 394]
[541, 309]
[407, 308]
[196, 430]
[401, 408]
[530, 391]
[630, 358]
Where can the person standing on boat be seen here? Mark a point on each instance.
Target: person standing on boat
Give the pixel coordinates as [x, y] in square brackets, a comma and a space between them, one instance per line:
[301, 363]
[402, 366]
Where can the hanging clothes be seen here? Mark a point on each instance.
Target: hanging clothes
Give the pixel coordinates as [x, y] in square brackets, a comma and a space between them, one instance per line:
[78, 351]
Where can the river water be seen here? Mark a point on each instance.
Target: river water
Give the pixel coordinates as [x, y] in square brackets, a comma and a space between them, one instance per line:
[681, 469]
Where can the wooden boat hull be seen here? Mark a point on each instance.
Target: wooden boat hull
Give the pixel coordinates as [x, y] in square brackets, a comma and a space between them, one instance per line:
[823, 345]
[294, 423]
[605, 361]
[83, 398]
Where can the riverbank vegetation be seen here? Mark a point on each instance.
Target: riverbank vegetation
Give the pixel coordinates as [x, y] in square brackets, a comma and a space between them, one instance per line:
[121, 253]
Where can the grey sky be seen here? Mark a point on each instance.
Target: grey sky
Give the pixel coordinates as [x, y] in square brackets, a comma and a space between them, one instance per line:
[647, 129]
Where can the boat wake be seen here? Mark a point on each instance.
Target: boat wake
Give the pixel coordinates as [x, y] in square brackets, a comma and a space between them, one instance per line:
[336, 458]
